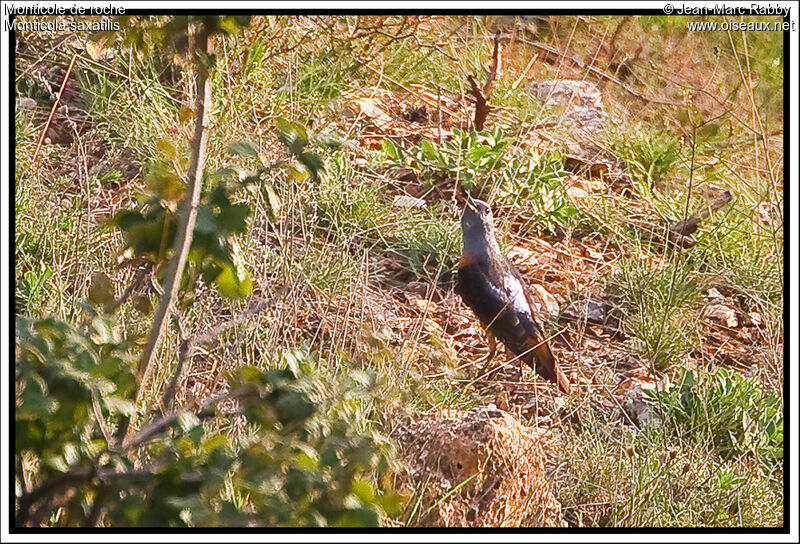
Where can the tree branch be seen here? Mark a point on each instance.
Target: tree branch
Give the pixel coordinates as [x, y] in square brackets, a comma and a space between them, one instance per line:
[188, 213]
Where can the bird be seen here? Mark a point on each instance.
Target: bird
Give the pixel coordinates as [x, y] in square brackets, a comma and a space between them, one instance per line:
[496, 292]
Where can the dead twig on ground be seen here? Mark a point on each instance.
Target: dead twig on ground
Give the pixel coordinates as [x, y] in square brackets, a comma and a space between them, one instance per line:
[55, 105]
[481, 95]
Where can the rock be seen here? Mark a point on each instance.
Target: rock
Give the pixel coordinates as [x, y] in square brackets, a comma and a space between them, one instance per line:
[582, 100]
[406, 201]
[638, 410]
[723, 313]
[546, 302]
[500, 463]
[754, 319]
[591, 309]
[714, 295]
[25, 103]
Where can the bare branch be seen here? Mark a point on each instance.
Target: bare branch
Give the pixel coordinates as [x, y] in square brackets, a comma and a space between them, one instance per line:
[188, 213]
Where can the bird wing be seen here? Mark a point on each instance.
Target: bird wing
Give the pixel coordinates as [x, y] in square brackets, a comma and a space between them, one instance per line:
[498, 299]
[502, 302]
[544, 362]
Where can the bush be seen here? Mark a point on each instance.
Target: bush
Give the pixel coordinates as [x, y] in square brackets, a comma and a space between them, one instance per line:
[305, 459]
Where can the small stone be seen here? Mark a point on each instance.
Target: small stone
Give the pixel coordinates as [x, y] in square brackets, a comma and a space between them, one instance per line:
[26, 103]
[715, 295]
[638, 410]
[723, 313]
[592, 310]
[547, 302]
[755, 319]
[406, 201]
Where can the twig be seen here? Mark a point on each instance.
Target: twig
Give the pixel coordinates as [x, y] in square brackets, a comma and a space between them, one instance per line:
[134, 441]
[55, 105]
[439, 111]
[188, 345]
[188, 213]
[481, 106]
[137, 277]
[688, 226]
[481, 95]
[496, 66]
[49, 487]
[525, 71]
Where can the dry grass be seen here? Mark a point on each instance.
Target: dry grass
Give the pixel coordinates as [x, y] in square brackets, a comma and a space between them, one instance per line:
[368, 283]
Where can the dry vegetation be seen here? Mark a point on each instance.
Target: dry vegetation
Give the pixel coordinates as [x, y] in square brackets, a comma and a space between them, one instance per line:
[603, 133]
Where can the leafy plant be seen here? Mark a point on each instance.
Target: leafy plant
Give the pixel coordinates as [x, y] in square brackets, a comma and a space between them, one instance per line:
[470, 157]
[430, 245]
[733, 413]
[304, 461]
[649, 155]
[86, 456]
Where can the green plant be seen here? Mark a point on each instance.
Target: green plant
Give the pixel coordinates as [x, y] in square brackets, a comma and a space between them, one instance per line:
[87, 455]
[649, 155]
[734, 414]
[429, 242]
[303, 462]
[468, 157]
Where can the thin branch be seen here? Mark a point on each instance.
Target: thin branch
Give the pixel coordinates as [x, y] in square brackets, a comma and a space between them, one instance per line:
[49, 487]
[481, 95]
[496, 66]
[55, 105]
[188, 213]
[134, 441]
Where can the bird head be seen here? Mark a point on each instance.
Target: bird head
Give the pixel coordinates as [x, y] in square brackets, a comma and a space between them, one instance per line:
[477, 226]
[477, 216]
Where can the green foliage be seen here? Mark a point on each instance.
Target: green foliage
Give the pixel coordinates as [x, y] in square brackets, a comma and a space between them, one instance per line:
[430, 242]
[485, 162]
[533, 182]
[732, 413]
[649, 155]
[149, 230]
[306, 461]
[658, 307]
[61, 371]
[34, 285]
[617, 475]
[295, 137]
[469, 157]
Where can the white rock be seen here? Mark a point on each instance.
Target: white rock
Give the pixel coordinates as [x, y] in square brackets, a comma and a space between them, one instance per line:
[723, 313]
[407, 201]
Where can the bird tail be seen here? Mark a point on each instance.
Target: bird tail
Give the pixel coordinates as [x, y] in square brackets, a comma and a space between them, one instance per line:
[545, 364]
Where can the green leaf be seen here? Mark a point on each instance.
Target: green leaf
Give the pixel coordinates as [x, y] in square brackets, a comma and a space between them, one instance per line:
[358, 517]
[244, 149]
[392, 150]
[292, 135]
[232, 285]
[273, 201]
[101, 291]
[233, 218]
